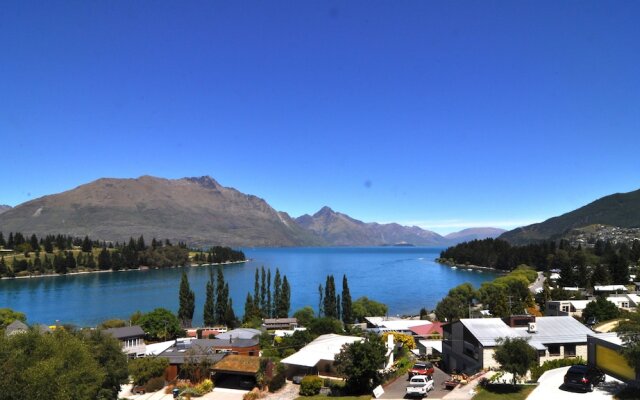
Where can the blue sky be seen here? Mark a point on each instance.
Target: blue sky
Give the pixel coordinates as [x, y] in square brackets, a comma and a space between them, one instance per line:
[442, 114]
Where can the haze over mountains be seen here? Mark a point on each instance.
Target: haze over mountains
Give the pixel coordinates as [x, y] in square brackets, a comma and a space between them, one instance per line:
[200, 211]
[620, 209]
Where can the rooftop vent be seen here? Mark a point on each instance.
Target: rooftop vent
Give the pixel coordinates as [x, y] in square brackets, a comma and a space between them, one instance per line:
[532, 328]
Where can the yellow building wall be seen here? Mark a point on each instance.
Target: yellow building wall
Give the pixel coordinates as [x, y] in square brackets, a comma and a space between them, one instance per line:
[612, 361]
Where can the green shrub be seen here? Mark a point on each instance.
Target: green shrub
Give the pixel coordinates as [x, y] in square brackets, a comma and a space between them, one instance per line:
[143, 369]
[205, 386]
[277, 382]
[154, 384]
[310, 385]
[537, 371]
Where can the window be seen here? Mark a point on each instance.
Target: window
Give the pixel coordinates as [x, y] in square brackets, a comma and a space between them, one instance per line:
[565, 308]
[569, 350]
[554, 349]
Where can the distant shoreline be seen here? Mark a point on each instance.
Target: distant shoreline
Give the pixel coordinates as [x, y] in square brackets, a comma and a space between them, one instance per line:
[142, 268]
[452, 264]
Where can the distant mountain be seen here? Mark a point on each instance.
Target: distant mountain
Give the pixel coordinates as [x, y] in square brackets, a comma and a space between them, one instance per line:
[199, 211]
[620, 209]
[4, 208]
[469, 234]
[341, 230]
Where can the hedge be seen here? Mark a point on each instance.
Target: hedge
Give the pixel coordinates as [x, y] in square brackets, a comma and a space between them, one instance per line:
[310, 385]
[537, 371]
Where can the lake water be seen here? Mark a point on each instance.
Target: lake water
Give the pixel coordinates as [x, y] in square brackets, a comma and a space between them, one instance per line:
[404, 278]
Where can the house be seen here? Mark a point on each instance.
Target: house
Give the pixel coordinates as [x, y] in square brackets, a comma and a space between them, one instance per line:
[571, 308]
[433, 329]
[428, 347]
[240, 333]
[469, 344]
[131, 338]
[608, 289]
[15, 327]
[604, 352]
[392, 324]
[270, 324]
[318, 356]
[193, 351]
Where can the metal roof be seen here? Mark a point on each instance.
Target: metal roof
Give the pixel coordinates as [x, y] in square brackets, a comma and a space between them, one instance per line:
[324, 347]
[488, 330]
[240, 333]
[125, 332]
[552, 330]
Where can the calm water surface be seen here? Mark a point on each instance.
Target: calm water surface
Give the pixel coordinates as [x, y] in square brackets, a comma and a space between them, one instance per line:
[404, 278]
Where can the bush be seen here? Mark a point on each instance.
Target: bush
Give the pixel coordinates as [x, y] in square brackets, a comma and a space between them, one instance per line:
[154, 384]
[143, 369]
[251, 396]
[205, 386]
[537, 371]
[310, 385]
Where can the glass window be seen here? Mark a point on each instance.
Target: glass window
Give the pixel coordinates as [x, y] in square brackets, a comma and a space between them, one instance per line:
[554, 350]
[569, 350]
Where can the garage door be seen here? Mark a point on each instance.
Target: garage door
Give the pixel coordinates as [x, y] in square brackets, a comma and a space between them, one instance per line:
[612, 362]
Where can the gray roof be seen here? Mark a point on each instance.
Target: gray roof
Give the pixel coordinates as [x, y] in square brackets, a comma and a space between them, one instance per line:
[240, 333]
[280, 321]
[488, 330]
[125, 332]
[201, 348]
[551, 330]
[16, 326]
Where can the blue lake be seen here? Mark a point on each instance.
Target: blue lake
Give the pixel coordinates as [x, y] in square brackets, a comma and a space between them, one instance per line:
[404, 278]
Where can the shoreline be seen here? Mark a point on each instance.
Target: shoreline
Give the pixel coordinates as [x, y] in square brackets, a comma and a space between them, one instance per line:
[142, 268]
[452, 264]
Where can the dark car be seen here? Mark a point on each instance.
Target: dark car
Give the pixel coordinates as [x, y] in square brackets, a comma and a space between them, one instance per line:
[421, 368]
[583, 377]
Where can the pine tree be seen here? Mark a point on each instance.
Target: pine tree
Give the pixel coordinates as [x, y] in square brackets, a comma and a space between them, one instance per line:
[11, 244]
[91, 263]
[3, 267]
[230, 316]
[187, 302]
[347, 315]
[140, 245]
[35, 246]
[104, 260]
[209, 305]
[285, 299]
[70, 261]
[48, 245]
[3, 243]
[86, 245]
[256, 292]
[277, 294]
[248, 309]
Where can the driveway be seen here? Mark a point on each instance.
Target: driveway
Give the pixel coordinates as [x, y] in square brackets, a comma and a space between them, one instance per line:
[550, 382]
[217, 394]
[398, 388]
[537, 286]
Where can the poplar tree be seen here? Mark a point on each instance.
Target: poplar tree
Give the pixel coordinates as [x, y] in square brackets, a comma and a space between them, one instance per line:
[277, 295]
[263, 293]
[285, 299]
[221, 300]
[256, 292]
[321, 302]
[187, 302]
[270, 307]
[330, 304]
[209, 306]
[249, 307]
[347, 315]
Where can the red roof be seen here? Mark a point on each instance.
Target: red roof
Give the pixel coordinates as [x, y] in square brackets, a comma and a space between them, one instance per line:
[426, 330]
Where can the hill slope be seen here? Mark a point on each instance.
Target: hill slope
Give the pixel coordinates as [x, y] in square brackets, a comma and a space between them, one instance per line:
[620, 209]
[341, 230]
[197, 210]
[469, 234]
[4, 208]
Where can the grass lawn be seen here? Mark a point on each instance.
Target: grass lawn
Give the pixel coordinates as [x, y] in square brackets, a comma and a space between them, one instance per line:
[504, 392]
[320, 397]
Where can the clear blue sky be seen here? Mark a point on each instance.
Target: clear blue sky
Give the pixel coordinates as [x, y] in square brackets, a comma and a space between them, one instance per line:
[444, 114]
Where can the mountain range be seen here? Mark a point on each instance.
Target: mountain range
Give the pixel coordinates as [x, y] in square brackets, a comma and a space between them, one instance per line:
[619, 209]
[202, 212]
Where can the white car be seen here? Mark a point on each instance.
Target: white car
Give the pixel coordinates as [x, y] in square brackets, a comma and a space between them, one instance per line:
[420, 385]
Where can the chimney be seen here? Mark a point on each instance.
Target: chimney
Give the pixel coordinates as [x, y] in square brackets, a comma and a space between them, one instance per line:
[532, 328]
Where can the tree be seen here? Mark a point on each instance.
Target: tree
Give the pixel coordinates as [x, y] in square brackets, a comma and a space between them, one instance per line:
[324, 325]
[104, 259]
[330, 305]
[602, 309]
[347, 314]
[305, 316]
[365, 307]
[143, 369]
[113, 323]
[270, 308]
[600, 275]
[86, 245]
[515, 355]
[455, 304]
[285, 299]
[629, 331]
[263, 293]
[187, 302]
[7, 316]
[209, 304]
[222, 298]
[107, 350]
[359, 363]
[277, 294]
[160, 324]
[59, 365]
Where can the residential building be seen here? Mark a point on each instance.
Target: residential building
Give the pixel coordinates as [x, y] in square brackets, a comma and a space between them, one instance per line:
[240, 333]
[392, 324]
[270, 324]
[131, 338]
[193, 351]
[318, 356]
[469, 344]
[574, 308]
[608, 289]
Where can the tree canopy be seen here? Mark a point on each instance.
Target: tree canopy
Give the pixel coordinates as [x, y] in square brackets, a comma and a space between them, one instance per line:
[515, 355]
[359, 363]
[365, 307]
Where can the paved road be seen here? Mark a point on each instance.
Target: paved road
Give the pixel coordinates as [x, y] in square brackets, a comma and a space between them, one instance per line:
[549, 387]
[397, 389]
[536, 286]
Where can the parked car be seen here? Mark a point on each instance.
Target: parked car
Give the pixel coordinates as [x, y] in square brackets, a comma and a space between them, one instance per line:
[420, 386]
[138, 390]
[297, 379]
[583, 377]
[421, 368]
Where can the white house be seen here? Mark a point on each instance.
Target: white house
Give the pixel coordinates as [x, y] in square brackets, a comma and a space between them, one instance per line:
[318, 356]
[131, 338]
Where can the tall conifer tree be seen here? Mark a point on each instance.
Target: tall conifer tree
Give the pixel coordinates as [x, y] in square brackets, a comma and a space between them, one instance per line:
[277, 295]
[209, 304]
[187, 302]
[285, 299]
[347, 314]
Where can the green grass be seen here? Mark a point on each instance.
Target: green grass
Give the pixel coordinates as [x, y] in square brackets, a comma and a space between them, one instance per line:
[504, 392]
[321, 397]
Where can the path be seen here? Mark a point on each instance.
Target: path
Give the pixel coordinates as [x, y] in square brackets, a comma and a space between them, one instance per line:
[290, 391]
[537, 286]
[607, 326]
[550, 387]
[397, 389]
[466, 392]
